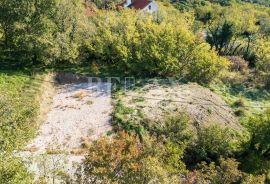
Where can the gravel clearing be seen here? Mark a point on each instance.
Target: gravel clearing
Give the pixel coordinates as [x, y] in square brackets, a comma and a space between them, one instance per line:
[78, 112]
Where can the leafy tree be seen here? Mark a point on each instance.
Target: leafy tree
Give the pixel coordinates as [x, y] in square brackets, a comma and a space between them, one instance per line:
[26, 28]
[106, 4]
[262, 60]
[41, 31]
[69, 24]
[220, 37]
[136, 44]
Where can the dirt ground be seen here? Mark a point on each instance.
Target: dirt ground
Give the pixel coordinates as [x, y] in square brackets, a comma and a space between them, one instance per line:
[202, 105]
[78, 112]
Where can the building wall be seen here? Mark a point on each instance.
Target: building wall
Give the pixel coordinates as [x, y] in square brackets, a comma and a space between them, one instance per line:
[152, 7]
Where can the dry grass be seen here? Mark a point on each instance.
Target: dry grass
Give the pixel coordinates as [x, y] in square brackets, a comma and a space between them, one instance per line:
[32, 149]
[86, 142]
[46, 98]
[80, 95]
[54, 151]
[78, 151]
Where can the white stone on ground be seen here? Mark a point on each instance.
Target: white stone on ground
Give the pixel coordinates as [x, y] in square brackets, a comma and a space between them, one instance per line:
[78, 111]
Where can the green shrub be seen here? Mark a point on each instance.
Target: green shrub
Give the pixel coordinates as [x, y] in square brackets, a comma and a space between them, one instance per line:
[240, 112]
[259, 127]
[136, 43]
[175, 127]
[122, 120]
[211, 143]
[256, 158]
[225, 171]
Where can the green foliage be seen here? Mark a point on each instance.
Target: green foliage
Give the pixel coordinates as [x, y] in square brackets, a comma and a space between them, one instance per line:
[173, 157]
[225, 172]
[106, 4]
[40, 31]
[18, 122]
[211, 143]
[122, 120]
[12, 170]
[174, 127]
[18, 109]
[256, 157]
[192, 4]
[220, 37]
[262, 64]
[137, 44]
[260, 133]
[69, 25]
[236, 30]
[26, 29]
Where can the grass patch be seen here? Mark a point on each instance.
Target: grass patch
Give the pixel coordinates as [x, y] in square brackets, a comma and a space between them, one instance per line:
[19, 108]
[241, 98]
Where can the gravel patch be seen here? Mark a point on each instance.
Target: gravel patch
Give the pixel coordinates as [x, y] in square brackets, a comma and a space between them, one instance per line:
[78, 112]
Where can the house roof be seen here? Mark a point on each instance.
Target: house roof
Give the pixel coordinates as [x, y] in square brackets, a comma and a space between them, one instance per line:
[138, 4]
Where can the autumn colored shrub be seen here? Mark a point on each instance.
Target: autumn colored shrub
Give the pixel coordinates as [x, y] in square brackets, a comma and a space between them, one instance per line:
[226, 171]
[124, 159]
[238, 64]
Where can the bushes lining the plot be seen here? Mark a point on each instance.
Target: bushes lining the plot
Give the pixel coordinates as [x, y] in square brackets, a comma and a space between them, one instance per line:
[139, 44]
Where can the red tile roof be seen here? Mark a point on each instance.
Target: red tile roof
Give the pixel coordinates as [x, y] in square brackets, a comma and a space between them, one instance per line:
[138, 4]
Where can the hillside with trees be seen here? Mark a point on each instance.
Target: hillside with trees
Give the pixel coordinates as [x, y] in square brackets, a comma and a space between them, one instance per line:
[217, 52]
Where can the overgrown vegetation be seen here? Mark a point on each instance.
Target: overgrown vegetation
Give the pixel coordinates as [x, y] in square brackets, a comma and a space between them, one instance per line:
[221, 44]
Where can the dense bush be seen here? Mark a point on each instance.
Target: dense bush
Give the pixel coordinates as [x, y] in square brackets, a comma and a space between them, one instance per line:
[262, 64]
[211, 143]
[136, 43]
[260, 133]
[175, 127]
[124, 159]
[226, 171]
[106, 4]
